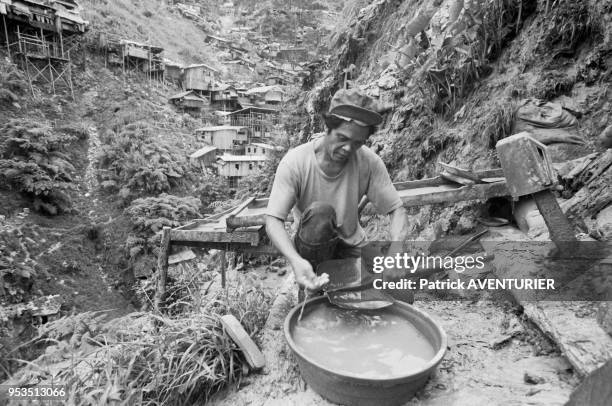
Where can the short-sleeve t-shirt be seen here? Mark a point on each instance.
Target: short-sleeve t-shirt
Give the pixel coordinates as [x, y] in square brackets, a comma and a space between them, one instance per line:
[300, 181]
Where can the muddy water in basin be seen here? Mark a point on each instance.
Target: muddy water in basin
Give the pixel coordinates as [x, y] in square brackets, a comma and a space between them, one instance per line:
[369, 344]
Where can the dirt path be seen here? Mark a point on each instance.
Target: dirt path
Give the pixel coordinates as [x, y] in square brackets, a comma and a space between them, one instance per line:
[492, 359]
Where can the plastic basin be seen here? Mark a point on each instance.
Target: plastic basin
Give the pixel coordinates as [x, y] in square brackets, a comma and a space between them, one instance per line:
[352, 390]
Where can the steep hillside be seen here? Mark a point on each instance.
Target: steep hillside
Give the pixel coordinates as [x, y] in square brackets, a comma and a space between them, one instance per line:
[450, 75]
[156, 22]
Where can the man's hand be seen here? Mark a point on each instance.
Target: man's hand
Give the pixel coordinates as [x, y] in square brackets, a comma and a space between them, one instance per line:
[305, 276]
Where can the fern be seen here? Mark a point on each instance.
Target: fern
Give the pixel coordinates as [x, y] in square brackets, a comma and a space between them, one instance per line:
[149, 215]
[32, 161]
[137, 163]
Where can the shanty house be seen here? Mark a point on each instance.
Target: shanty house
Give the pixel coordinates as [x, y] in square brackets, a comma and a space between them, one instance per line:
[266, 96]
[189, 100]
[260, 148]
[260, 121]
[234, 167]
[224, 97]
[292, 55]
[224, 137]
[41, 35]
[144, 57]
[204, 157]
[275, 80]
[200, 77]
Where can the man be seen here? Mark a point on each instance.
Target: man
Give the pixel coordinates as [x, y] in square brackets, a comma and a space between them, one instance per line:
[325, 180]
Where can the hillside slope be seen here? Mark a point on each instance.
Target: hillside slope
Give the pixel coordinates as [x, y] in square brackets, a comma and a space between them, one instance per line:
[450, 76]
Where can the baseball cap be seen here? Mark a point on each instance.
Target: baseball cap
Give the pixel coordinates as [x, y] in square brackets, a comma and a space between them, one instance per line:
[355, 105]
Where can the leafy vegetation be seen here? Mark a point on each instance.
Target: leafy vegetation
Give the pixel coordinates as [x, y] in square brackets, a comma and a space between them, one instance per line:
[33, 161]
[148, 359]
[148, 216]
[134, 162]
[13, 84]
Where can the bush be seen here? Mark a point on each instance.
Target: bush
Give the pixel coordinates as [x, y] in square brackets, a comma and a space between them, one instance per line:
[149, 215]
[135, 163]
[13, 84]
[212, 190]
[33, 161]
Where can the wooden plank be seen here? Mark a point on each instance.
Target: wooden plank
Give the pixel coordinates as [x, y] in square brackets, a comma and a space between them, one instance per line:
[246, 248]
[459, 172]
[446, 194]
[252, 236]
[457, 179]
[582, 341]
[252, 354]
[181, 257]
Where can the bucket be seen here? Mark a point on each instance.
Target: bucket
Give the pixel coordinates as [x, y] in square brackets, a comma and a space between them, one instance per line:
[353, 390]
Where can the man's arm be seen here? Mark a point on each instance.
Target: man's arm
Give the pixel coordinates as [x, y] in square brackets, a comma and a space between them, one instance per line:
[304, 275]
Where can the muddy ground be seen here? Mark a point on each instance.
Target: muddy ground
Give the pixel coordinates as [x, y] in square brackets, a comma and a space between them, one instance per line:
[494, 357]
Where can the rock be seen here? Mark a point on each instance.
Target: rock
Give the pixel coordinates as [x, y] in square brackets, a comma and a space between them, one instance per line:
[605, 138]
[595, 390]
[603, 223]
[533, 379]
[604, 316]
[387, 82]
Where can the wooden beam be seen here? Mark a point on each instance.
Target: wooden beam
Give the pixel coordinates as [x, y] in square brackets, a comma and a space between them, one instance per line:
[413, 197]
[252, 237]
[8, 48]
[162, 266]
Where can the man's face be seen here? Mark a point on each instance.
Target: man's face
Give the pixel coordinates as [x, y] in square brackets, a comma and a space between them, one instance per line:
[345, 140]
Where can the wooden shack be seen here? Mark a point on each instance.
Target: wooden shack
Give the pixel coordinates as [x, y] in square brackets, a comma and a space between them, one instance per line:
[234, 167]
[224, 97]
[266, 96]
[39, 36]
[200, 77]
[204, 157]
[263, 149]
[292, 55]
[189, 100]
[275, 80]
[224, 137]
[260, 121]
[143, 57]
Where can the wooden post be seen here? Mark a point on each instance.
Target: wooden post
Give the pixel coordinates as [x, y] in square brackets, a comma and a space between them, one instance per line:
[162, 266]
[223, 266]
[8, 48]
[561, 231]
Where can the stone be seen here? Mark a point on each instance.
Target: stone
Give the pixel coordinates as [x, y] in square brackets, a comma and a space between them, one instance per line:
[603, 223]
[604, 316]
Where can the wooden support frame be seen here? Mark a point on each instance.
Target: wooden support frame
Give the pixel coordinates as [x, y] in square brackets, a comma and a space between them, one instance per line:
[162, 267]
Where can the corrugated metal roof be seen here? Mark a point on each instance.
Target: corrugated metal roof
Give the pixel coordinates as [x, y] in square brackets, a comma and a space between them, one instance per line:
[242, 158]
[255, 109]
[199, 65]
[182, 94]
[265, 89]
[267, 146]
[203, 151]
[221, 127]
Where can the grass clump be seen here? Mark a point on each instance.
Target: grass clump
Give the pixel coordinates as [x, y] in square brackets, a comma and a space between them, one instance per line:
[145, 359]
